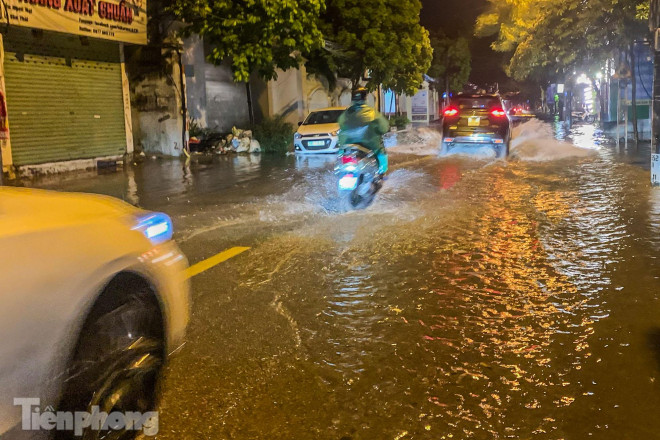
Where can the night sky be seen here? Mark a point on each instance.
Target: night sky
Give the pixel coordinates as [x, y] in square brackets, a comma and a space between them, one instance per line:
[457, 17]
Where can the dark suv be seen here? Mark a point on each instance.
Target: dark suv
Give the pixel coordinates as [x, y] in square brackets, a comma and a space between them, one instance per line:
[476, 120]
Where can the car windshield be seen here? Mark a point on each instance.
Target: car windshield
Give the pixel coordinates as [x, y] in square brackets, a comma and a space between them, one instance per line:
[478, 103]
[323, 117]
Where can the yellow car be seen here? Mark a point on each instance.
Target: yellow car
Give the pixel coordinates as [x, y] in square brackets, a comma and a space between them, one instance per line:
[318, 133]
[94, 297]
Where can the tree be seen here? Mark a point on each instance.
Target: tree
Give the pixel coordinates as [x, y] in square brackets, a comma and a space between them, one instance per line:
[560, 36]
[381, 39]
[451, 61]
[254, 35]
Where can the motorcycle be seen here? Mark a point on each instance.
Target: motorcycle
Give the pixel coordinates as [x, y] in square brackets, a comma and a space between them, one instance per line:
[358, 179]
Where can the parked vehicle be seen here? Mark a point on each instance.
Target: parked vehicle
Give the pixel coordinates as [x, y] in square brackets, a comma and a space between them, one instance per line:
[94, 297]
[358, 180]
[476, 120]
[318, 133]
[582, 116]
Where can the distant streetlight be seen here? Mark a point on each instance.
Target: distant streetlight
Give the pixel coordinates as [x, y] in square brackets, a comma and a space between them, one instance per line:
[582, 79]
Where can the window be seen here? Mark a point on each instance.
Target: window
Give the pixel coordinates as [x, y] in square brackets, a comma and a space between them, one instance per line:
[478, 103]
[324, 117]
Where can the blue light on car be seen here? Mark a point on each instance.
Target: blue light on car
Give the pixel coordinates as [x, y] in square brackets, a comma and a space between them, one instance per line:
[157, 227]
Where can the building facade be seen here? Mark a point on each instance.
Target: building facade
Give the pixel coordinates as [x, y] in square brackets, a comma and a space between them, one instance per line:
[64, 83]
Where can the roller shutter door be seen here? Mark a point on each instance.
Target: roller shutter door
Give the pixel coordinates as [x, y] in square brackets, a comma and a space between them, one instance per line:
[63, 108]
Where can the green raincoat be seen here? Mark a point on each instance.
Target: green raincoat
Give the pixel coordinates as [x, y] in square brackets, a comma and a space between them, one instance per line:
[361, 124]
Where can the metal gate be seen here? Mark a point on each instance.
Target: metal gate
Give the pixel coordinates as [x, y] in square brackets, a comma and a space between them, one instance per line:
[62, 107]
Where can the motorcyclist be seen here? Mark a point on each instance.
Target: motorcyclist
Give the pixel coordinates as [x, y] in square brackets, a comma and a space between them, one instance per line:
[363, 125]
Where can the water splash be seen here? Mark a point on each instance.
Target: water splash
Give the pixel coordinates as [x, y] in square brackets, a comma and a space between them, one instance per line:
[423, 141]
[535, 141]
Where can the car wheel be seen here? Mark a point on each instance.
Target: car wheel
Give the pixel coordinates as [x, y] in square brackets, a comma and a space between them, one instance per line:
[502, 150]
[117, 362]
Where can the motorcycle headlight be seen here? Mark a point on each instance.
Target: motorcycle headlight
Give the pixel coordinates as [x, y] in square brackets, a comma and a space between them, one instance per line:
[297, 136]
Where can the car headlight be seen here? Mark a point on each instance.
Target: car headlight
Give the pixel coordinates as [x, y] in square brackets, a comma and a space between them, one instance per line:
[297, 136]
[156, 226]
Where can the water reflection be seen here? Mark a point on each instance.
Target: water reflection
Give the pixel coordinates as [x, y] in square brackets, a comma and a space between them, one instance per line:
[315, 161]
[514, 299]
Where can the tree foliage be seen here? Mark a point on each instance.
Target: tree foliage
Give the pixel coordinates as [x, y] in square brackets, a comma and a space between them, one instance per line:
[548, 36]
[381, 37]
[451, 61]
[254, 35]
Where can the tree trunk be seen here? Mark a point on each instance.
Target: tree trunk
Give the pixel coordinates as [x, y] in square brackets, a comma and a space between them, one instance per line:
[248, 92]
[184, 102]
[446, 89]
[544, 101]
[598, 86]
[633, 73]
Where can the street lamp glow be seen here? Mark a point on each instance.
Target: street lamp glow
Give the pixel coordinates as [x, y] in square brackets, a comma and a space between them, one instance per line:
[582, 79]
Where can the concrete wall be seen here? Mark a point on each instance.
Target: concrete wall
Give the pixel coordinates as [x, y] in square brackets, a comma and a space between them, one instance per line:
[285, 96]
[194, 63]
[214, 99]
[157, 118]
[294, 94]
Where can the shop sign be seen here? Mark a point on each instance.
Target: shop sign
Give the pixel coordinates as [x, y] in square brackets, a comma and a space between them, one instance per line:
[118, 20]
[420, 103]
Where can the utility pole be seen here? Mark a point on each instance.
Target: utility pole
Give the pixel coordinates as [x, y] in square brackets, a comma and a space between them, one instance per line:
[654, 24]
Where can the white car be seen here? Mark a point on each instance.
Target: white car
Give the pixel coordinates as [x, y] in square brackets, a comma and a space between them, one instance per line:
[318, 133]
[94, 297]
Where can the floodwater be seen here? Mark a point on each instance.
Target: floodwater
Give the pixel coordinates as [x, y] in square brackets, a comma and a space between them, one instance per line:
[475, 299]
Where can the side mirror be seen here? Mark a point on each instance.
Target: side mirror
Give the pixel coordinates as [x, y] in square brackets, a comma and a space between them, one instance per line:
[299, 124]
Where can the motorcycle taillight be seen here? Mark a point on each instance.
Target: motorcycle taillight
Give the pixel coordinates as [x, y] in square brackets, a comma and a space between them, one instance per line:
[349, 160]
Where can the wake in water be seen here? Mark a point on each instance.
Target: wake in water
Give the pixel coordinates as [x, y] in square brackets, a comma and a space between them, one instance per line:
[422, 141]
[535, 141]
[317, 196]
[532, 141]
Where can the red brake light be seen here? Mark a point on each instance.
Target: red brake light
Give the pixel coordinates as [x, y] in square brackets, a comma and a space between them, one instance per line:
[498, 113]
[451, 111]
[349, 159]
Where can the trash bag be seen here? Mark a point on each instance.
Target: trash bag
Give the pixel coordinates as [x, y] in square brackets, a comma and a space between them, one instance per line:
[237, 132]
[242, 145]
[255, 147]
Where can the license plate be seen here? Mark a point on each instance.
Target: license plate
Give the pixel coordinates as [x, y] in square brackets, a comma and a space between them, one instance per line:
[348, 183]
[316, 143]
[474, 121]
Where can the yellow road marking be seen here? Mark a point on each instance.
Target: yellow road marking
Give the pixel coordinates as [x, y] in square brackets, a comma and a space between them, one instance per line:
[205, 265]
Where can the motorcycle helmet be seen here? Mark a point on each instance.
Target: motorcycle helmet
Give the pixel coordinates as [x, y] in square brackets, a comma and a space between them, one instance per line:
[359, 95]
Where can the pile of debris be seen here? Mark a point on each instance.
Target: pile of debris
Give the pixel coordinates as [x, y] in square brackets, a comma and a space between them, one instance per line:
[238, 141]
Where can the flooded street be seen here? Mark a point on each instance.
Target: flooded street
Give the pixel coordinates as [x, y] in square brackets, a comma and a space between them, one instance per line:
[475, 299]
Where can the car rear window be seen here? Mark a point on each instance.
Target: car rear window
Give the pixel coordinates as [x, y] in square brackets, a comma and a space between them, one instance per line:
[478, 103]
[324, 117]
